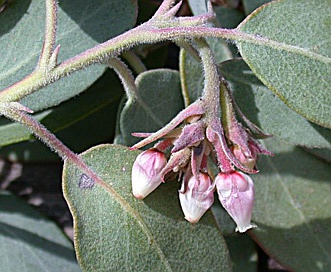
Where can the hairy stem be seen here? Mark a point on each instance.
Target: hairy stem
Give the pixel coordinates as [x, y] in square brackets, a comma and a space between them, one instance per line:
[211, 92]
[134, 61]
[50, 34]
[16, 114]
[126, 77]
[147, 33]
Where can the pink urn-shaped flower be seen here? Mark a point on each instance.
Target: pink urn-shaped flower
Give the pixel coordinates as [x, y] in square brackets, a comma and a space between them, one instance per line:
[196, 197]
[146, 172]
[236, 194]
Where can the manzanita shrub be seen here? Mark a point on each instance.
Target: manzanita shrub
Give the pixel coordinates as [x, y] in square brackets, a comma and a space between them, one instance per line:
[236, 139]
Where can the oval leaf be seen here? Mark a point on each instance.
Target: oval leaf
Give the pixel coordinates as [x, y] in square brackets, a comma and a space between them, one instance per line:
[118, 232]
[29, 242]
[293, 54]
[78, 30]
[292, 208]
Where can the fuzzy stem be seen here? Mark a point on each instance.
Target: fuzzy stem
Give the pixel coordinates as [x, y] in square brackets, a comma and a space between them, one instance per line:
[41, 132]
[145, 33]
[126, 77]
[134, 61]
[50, 34]
[38, 129]
[210, 93]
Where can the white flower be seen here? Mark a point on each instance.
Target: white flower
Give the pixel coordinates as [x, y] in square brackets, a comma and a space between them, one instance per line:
[196, 197]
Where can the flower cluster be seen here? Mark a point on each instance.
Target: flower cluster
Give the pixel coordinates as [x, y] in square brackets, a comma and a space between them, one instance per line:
[194, 141]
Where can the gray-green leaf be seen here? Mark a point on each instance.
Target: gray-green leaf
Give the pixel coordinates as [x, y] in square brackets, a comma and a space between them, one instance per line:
[30, 242]
[115, 232]
[292, 208]
[291, 54]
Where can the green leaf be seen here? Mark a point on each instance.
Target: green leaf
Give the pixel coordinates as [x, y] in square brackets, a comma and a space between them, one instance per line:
[265, 109]
[243, 253]
[292, 208]
[29, 242]
[251, 5]
[78, 30]
[115, 232]
[324, 154]
[227, 14]
[291, 54]
[159, 101]
[228, 17]
[72, 122]
[198, 7]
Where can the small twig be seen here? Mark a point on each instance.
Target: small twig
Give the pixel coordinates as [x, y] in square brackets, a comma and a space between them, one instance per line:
[126, 77]
[212, 79]
[50, 34]
[164, 8]
[173, 11]
[17, 113]
[134, 61]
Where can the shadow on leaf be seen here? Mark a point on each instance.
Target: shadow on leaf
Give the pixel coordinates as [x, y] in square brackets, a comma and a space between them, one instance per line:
[35, 241]
[101, 19]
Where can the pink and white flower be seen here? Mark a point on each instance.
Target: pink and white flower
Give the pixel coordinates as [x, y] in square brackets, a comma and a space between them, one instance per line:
[146, 172]
[196, 197]
[236, 194]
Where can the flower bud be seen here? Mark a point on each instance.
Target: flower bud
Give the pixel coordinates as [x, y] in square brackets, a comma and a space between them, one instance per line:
[236, 194]
[247, 161]
[146, 171]
[196, 197]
